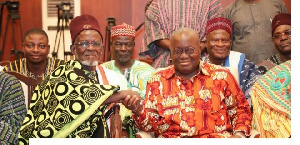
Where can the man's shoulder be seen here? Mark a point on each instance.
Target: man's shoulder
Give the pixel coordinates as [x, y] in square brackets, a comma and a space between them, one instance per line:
[139, 65]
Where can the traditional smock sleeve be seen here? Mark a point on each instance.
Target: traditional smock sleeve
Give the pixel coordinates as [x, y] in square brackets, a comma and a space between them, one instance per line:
[12, 109]
[249, 74]
[237, 107]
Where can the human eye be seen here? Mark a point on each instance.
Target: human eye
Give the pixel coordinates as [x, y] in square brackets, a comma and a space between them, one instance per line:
[129, 44]
[277, 35]
[84, 44]
[288, 32]
[96, 44]
[189, 50]
[42, 46]
[118, 44]
[178, 51]
[30, 45]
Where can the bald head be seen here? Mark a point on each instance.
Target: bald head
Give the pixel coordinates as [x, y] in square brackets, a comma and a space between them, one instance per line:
[185, 51]
[183, 33]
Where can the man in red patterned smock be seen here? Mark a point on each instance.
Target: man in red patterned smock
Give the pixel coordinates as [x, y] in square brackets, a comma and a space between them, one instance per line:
[191, 98]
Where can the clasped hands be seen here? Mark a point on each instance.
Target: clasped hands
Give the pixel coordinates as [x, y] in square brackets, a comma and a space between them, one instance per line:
[130, 99]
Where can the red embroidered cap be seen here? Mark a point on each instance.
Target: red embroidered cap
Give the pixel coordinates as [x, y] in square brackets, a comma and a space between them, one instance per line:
[219, 23]
[281, 19]
[122, 30]
[83, 22]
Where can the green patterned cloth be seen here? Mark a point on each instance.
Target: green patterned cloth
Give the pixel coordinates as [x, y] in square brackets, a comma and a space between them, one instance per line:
[137, 76]
[66, 104]
[271, 97]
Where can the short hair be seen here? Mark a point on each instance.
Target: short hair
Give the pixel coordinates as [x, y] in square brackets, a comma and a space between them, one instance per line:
[36, 31]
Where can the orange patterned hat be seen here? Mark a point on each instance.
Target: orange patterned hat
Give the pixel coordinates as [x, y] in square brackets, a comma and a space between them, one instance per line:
[122, 30]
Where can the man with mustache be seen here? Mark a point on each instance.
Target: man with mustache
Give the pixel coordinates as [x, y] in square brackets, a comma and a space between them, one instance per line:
[218, 44]
[281, 32]
[191, 98]
[136, 72]
[73, 100]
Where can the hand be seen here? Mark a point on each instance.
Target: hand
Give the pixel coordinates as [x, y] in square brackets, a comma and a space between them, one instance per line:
[133, 103]
[120, 96]
[238, 134]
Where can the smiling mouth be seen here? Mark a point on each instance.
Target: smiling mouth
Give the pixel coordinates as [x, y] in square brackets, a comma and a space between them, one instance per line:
[184, 63]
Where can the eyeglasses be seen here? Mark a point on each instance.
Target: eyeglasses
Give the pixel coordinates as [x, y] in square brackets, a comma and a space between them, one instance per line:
[286, 33]
[84, 44]
[127, 45]
[40, 46]
[188, 51]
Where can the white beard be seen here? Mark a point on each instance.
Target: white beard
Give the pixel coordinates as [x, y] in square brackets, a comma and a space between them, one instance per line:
[89, 63]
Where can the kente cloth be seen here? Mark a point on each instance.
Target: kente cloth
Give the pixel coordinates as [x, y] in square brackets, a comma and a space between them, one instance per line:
[271, 100]
[252, 30]
[208, 105]
[21, 67]
[67, 103]
[137, 75]
[248, 71]
[12, 109]
[163, 17]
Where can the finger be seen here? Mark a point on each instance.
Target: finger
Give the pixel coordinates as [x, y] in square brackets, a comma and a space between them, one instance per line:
[125, 101]
[132, 100]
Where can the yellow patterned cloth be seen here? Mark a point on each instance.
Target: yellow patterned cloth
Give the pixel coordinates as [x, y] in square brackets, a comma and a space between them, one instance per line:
[66, 104]
[271, 99]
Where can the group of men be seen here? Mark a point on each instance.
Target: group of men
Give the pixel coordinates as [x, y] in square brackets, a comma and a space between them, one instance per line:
[207, 96]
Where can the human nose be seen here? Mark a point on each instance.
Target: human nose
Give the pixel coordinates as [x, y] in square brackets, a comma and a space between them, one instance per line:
[123, 47]
[35, 48]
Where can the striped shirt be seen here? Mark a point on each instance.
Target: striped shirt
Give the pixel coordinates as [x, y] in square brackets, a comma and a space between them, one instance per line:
[21, 67]
[12, 108]
[163, 17]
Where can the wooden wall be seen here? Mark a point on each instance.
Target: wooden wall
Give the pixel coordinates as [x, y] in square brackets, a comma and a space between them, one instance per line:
[129, 11]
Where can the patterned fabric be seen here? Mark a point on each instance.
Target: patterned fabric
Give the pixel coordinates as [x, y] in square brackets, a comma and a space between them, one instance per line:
[271, 98]
[20, 66]
[248, 71]
[122, 30]
[252, 31]
[219, 23]
[12, 109]
[210, 104]
[163, 17]
[275, 59]
[137, 75]
[66, 104]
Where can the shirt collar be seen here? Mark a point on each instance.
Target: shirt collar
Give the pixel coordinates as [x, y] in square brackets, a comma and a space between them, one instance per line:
[170, 70]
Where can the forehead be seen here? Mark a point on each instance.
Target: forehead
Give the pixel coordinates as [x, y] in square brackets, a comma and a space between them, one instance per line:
[184, 41]
[88, 35]
[35, 37]
[123, 38]
[282, 28]
[219, 33]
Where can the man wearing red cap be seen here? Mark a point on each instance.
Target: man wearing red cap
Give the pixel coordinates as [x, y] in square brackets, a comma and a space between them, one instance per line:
[218, 44]
[251, 21]
[137, 73]
[72, 100]
[281, 32]
[191, 98]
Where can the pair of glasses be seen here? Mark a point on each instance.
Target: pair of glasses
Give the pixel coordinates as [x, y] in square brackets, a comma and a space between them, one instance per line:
[188, 51]
[127, 45]
[279, 35]
[85, 44]
[40, 46]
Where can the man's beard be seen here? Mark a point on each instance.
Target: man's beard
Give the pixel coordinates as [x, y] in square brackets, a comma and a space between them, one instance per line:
[89, 63]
